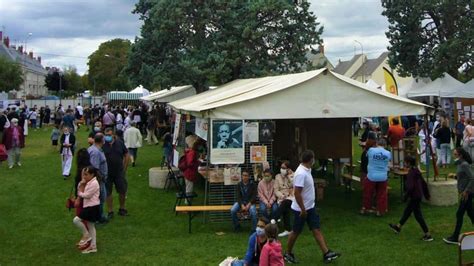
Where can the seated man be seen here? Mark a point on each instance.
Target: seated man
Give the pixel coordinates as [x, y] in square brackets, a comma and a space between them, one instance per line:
[266, 194]
[246, 197]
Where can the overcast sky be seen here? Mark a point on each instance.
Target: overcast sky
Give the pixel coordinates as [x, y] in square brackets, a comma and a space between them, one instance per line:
[66, 32]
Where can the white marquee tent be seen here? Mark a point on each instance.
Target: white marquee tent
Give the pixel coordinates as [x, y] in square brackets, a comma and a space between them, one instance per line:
[372, 84]
[445, 87]
[314, 94]
[173, 94]
[141, 90]
[467, 90]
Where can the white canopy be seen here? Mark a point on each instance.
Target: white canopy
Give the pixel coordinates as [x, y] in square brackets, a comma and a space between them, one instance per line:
[445, 87]
[466, 90]
[414, 84]
[314, 94]
[141, 90]
[372, 84]
[173, 94]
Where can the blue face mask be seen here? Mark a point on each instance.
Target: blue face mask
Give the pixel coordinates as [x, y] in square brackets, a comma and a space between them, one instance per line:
[260, 231]
[108, 138]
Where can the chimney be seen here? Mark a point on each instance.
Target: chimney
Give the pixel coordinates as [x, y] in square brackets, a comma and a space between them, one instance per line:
[30, 54]
[39, 59]
[6, 41]
[20, 49]
[321, 49]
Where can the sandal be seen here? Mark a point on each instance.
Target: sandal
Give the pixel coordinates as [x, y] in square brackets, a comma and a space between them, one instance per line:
[84, 241]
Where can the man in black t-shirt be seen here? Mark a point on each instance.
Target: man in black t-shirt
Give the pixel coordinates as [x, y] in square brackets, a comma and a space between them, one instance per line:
[117, 161]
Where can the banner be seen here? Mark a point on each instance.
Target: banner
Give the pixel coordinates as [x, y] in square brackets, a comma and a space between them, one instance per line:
[177, 124]
[202, 127]
[391, 87]
[258, 154]
[227, 146]
[251, 132]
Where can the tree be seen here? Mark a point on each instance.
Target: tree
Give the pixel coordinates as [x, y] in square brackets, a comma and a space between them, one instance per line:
[55, 80]
[106, 65]
[428, 38]
[201, 42]
[86, 83]
[11, 75]
[73, 80]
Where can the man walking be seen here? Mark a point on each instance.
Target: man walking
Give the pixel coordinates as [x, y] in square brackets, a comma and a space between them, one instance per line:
[304, 209]
[117, 161]
[133, 141]
[98, 161]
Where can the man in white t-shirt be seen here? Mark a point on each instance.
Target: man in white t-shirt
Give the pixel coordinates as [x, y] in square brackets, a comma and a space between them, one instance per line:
[304, 210]
[80, 110]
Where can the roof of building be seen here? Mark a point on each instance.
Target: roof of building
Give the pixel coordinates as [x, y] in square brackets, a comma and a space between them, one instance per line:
[319, 60]
[343, 66]
[14, 55]
[370, 65]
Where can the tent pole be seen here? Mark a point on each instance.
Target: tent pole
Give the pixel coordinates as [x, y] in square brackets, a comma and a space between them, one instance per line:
[208, 159]
[427, 149]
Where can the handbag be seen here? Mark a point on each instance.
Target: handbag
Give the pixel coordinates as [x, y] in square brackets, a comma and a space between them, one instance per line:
[70, 201]
[3, 153]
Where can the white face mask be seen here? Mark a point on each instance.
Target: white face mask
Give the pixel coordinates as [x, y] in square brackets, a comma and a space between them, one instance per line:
[283, 172]
[260, 231]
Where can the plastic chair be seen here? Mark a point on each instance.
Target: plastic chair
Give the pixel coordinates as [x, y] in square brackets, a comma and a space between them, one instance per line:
[466, 242]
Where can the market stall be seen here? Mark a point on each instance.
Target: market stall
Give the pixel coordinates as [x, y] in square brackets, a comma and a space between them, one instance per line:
[172, 94]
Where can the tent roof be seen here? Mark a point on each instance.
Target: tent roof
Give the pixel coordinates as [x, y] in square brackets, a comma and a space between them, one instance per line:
[442, 87]
[172, 94]
[313, 94]
[140, 89]
[372, 84]
[467, 90]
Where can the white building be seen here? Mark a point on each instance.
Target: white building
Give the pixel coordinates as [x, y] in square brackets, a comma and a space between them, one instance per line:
[34, 73]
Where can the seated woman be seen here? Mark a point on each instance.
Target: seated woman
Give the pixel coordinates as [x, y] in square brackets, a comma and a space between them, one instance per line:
[256, 242]
[266, 194]
[284, 192]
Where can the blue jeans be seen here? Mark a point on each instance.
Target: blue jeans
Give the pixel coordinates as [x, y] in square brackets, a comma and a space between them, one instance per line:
[252, 211]
[102, 196]
[273, 211]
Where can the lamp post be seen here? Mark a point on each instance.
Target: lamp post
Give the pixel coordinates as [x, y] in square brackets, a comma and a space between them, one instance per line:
[363, 63]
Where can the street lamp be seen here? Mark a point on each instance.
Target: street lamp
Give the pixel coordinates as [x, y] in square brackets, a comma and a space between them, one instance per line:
[363, 63]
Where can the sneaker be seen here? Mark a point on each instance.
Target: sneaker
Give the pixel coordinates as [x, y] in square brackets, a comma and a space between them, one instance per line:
[123, 212]
[283, 234]
[90, 249]
[451, 240]
[18, 163]
[427, 238]
[290, 258]
[110, 215]
[395, 228]
[10, 167]
[330, 256]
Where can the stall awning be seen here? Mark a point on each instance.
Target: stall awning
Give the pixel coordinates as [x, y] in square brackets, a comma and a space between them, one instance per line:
[445, 87]
[313, 94]
[173, 94]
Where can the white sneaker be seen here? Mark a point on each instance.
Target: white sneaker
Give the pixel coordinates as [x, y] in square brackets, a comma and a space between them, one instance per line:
[18, 163]
[10, 167]
[283, 234]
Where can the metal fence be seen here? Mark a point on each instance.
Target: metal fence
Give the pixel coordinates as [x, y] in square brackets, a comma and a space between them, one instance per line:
[65, 102]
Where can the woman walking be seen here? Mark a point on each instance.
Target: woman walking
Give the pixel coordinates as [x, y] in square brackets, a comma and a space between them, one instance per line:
[89, 191]
[464, 175]
[67, 142]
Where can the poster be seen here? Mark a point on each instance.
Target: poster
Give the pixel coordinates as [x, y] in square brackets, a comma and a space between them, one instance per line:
[458, 105]
[175, 158]
[227, 145]
[232, 175]
[467, 108]
[202, 126]
[251, 132]
[258, 154]
[177, 124]
[266, 131]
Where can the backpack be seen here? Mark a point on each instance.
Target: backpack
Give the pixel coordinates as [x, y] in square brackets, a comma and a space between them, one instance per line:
[424, 188]
[182, 165]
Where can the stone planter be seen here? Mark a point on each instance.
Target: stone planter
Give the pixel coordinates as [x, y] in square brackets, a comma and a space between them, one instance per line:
[443, 193]
[157, 177]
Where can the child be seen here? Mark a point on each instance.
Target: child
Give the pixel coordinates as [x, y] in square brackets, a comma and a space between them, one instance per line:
[271, 252]
[415, 193]
[89, 191]
[55, 136]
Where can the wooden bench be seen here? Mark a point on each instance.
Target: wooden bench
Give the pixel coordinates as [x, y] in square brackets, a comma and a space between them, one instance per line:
[193, 210]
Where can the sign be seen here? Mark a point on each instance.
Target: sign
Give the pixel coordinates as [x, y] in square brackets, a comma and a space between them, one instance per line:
[227, 145]
[251, 132]
[177, 124]
[266, 131]
[175, 158]
[202, 127]
[232, 175]
[258, 154]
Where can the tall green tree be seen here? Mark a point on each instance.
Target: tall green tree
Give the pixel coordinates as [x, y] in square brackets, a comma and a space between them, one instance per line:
[55, 80]
[212, 42]
[430, 37]
[73, 79]
[106, 65]
[11, 76]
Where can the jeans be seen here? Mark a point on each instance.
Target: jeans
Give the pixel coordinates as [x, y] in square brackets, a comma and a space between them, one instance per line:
[285, 210]
[252, 211]
[413, 206]
[273, 211]
[14, 155]
[464, 206]
[445, 155]
[102, 196]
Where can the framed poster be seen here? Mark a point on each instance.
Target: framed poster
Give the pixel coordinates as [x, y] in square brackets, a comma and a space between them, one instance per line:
[251, 132]
[258, 154]
[177, 126]
[202, 127]
[266, 131]
[227, 146]
[232, 175]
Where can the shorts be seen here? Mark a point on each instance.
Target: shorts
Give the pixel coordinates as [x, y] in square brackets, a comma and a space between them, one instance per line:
[312, 219]
[90, 214]
[54, 142]
[119, 181]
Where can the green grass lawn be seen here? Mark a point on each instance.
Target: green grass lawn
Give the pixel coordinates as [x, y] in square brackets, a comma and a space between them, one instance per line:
[35, 227]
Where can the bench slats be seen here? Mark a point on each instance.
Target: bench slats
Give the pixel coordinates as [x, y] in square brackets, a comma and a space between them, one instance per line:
[203, 208]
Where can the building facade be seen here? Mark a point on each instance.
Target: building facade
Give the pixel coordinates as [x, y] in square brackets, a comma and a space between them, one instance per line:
[34, 74]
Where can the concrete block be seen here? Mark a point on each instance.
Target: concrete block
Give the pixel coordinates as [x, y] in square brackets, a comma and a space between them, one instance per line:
[157, 177]
[443, 193]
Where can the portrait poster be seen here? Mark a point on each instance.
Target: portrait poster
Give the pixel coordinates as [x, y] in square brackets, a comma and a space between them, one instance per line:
[266, 131]
[227, 145]
[232, 175]
[257, 172]
[258, 154]
[177, 126]
[202, 127]
[251, 132]
[175, 158]
[458, 105]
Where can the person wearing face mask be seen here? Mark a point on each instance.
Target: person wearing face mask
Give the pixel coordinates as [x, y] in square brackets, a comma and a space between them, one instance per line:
[14, 141]
[99, 162]
[465, 177]
[67, 141]
[284, 192]
[266, 194]
[256, 243]
[304, 210]
[96, 129]
[117, 162]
